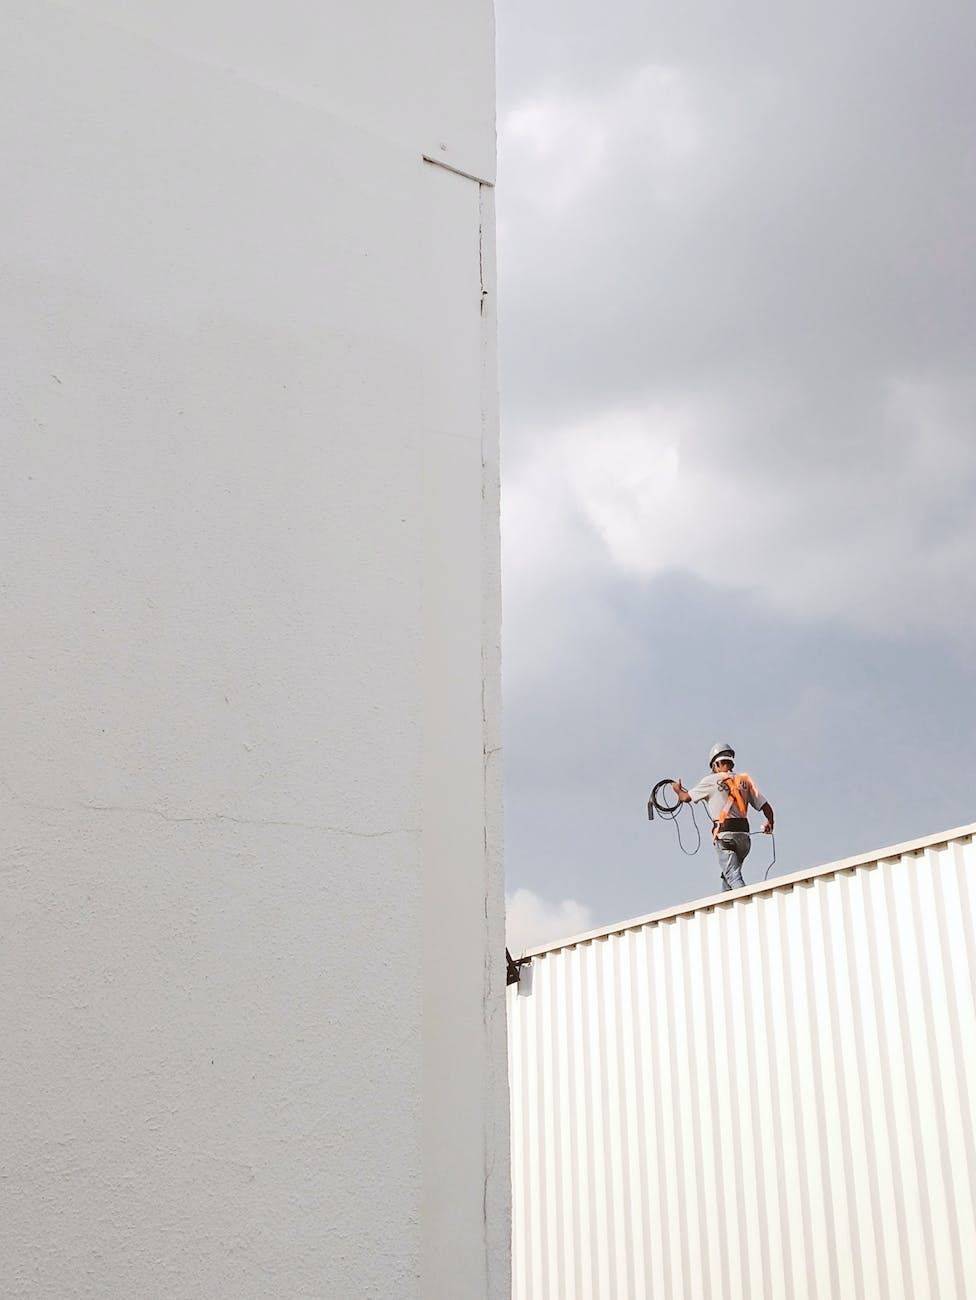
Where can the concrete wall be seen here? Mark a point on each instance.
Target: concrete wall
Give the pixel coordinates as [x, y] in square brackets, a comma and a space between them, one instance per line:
[251, 963]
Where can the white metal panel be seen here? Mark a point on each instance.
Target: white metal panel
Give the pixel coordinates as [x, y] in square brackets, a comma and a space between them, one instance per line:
[763, 1095]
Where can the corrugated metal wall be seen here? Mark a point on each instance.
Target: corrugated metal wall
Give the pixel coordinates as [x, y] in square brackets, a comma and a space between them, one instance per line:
[768, 1098]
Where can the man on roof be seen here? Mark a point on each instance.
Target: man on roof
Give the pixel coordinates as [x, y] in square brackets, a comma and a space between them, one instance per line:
[729, 796]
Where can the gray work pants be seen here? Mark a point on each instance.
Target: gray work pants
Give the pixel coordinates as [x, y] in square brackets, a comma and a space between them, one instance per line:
[732, 848]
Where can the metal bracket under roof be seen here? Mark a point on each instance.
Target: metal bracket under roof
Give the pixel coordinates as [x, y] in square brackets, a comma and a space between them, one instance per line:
[514, 967]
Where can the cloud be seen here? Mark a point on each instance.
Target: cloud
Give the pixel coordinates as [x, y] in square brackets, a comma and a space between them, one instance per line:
[559, 146]
[533, 921]
[880, 541]
[739, 280]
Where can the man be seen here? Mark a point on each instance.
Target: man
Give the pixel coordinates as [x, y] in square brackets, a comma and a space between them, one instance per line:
[729, 797]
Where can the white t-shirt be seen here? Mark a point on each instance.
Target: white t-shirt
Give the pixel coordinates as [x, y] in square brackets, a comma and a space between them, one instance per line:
[712, 788]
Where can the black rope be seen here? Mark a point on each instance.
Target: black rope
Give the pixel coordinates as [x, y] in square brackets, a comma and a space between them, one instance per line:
[773, 863]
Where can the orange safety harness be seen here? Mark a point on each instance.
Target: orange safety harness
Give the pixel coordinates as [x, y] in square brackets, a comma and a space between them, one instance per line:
[739, 785]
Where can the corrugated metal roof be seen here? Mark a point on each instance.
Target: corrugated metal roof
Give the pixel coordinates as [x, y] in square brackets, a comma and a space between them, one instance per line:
[756, 1101]
[961, 833]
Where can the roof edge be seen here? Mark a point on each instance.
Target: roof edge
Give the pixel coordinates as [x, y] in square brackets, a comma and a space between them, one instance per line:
[730, 898]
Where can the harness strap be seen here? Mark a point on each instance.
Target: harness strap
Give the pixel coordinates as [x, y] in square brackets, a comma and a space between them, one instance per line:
[734, 784]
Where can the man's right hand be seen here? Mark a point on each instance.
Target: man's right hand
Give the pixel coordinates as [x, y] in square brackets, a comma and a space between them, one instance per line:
[676, 786]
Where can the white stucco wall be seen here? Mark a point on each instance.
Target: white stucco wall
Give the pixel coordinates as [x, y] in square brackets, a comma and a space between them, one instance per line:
[250, 887]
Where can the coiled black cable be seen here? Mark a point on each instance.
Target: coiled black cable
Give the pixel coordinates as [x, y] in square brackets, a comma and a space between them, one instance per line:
[670, 811]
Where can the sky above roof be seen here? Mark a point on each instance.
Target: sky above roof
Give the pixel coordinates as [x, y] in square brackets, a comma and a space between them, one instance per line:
[737, 328]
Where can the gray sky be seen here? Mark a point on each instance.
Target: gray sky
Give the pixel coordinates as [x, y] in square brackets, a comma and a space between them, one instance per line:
[737, 260]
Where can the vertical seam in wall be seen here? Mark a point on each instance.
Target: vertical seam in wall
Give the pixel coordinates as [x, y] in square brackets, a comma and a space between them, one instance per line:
[486, 1170]
[495, 1132]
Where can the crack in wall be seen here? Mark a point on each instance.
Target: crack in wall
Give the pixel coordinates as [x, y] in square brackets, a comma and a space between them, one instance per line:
[204, 819]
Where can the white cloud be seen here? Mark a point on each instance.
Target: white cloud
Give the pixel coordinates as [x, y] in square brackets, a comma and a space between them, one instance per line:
[880, 541]
[533, 921]
[557, 147]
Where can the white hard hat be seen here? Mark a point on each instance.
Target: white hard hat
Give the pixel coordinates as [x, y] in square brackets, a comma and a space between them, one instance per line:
[721, 749]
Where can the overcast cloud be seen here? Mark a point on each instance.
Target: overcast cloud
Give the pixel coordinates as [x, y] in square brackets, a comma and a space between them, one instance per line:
[737, 327]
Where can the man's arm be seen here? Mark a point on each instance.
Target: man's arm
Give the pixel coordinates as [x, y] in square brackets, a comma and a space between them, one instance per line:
[762, 803]
[681, 792]
[767, 810]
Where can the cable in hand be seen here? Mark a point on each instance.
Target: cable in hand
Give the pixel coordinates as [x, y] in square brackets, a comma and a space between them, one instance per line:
[669, 811]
